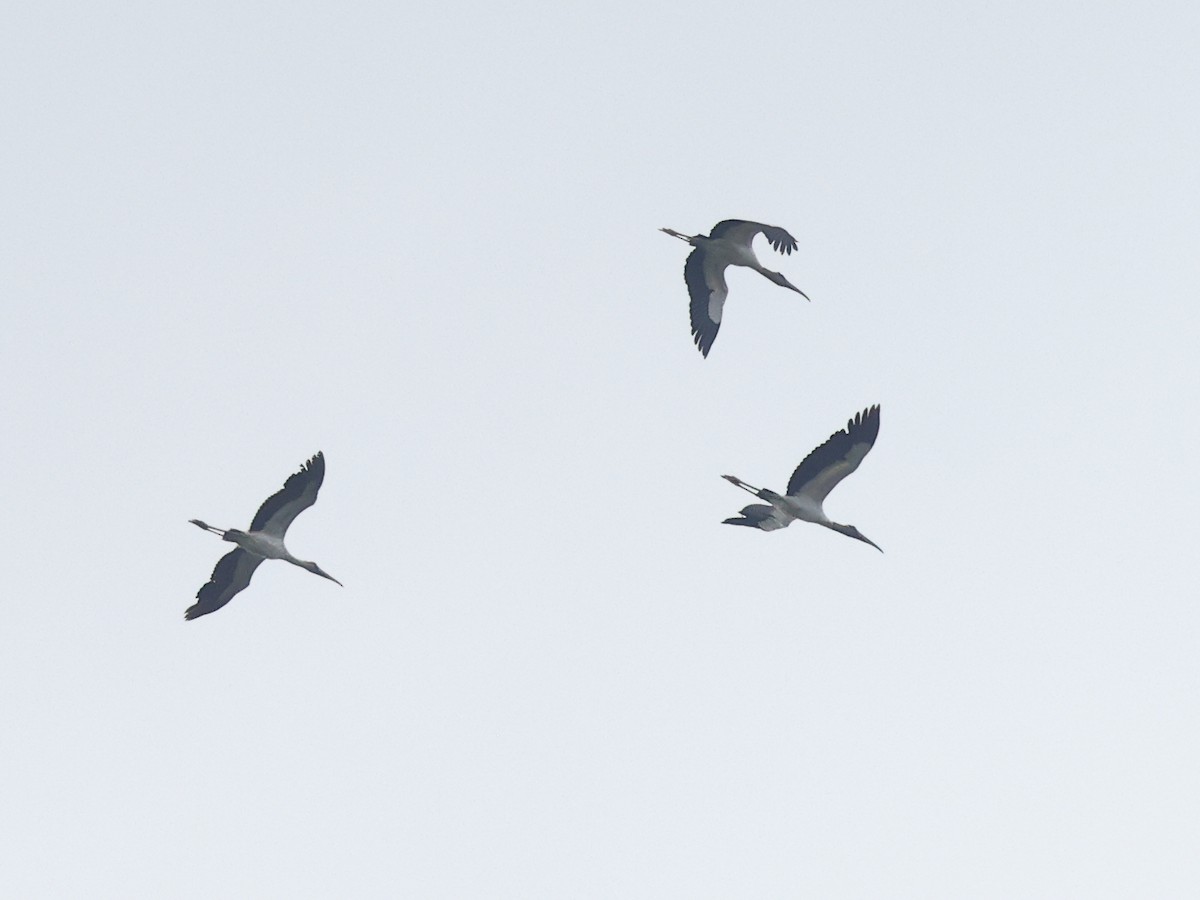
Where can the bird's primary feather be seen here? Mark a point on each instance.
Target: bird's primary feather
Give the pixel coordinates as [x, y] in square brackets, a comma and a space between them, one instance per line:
[298, 493]
[231, 574]
[707, 290]
[741, 231]
[840, 455]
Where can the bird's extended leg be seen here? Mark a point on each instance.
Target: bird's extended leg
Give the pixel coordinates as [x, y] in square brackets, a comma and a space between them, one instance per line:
[733, 479]
[673, 233]
[207, 527]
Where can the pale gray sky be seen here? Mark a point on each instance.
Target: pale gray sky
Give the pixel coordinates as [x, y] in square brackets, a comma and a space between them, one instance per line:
[421, 238]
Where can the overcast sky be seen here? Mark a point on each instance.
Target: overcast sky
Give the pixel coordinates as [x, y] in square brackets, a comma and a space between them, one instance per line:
[422, 239]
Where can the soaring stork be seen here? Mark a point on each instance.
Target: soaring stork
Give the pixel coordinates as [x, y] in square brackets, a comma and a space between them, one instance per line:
[812, 481]
[730, 243]
[264, 540]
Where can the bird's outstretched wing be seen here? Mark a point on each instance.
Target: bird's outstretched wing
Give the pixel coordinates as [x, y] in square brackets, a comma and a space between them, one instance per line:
[759, 515]
[705, 278]
[298, 493]
[836, 458]
[743, 232]
[231, 575]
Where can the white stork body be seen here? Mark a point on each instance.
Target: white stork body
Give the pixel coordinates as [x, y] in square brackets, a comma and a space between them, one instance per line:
[268, 546]
[730, 243]
[821, 471]
[264, 540]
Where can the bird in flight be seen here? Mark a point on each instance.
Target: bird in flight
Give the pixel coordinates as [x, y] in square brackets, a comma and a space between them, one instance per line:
[730, 243]
[264, 540]
[821, 471]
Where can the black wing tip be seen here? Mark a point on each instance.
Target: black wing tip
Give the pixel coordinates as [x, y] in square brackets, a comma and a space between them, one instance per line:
[861, 428]
[780, 239]
[704, 329]
[867, 420]
[313, 467]
[783, 242]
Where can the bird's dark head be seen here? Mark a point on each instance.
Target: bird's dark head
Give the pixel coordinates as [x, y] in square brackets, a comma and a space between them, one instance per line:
[232, 534]
[317, 570]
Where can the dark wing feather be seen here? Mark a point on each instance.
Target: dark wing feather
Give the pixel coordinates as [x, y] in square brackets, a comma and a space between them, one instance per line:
[743, 231]
[231, 575]
[759, 515]
[836, 458]
[707, 290]
[299, 492]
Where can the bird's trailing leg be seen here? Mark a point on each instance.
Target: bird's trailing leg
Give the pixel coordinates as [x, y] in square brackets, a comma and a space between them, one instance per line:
[733, 479]
[673, 233]
[207, 527]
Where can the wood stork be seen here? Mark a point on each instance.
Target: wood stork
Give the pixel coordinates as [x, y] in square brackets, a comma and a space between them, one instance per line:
[812, 481]
[264, 540]
[730, 243]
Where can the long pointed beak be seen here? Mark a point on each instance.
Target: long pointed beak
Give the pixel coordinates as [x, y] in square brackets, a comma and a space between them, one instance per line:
[325, 574]
[206, 527]
[867, 540]
[788, 284]
[673, 233]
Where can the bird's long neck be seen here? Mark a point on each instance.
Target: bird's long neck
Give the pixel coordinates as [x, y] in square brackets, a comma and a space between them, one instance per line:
[302, 563]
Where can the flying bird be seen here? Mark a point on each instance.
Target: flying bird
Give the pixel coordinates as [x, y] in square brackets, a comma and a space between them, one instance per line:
[730, 243]
[264, 540]
[810, 484]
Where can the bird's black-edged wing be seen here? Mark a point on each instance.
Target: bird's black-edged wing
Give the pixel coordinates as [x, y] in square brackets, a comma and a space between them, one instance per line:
[707, 289]
[298, 493]
[836, 458]
[231, 575]
[742, 231]
[759, 515]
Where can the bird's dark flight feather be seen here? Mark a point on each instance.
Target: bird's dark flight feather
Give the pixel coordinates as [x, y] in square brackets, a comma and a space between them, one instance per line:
[230, 575]
[298, 493]
[841, 453]
[741, 229]
[704, 329]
